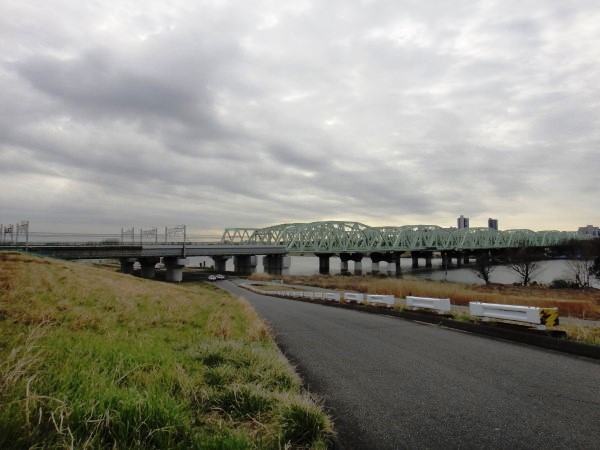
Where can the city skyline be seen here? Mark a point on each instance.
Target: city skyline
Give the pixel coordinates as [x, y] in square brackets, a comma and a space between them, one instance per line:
[221, 114]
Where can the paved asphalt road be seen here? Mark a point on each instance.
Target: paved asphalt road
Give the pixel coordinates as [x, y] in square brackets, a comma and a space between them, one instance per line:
[392, 383]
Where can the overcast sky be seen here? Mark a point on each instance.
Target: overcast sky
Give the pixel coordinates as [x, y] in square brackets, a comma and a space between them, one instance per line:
[217, 113]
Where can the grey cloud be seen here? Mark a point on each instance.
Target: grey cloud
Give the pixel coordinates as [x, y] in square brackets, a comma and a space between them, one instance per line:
[254, 115]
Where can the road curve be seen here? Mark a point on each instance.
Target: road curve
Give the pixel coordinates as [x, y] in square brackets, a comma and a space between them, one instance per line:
[391, 383]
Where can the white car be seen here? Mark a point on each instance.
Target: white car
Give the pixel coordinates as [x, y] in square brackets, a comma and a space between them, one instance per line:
[212, 278]
[220, 277]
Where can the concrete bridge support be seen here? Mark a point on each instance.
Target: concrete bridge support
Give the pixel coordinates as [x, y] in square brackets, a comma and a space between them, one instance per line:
[220, 263]
[276, 264]
[394, 268]
[175, 267]
[446, 259]
[376, 258]
[392, 260]
[245, 264]
[397, 262]
[459, 259]
[415, 259]
[149, 267]
[127, 265]
[344, 266]
[358, 267]
[356, 257]
[324, 262]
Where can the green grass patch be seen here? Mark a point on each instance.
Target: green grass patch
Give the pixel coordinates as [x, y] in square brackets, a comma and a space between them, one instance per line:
[95, 359]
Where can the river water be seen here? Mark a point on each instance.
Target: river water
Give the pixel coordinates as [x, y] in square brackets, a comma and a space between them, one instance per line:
[309, 265]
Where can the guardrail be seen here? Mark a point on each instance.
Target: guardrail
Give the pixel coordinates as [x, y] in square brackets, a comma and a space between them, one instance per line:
[352, 297]
[332, 296]
[541, 317]
[441, 305]
[386, 300]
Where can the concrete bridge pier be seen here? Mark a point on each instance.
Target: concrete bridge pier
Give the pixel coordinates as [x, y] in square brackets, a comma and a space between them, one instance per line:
[466, 258]
[344, 266]
[376, 258]
[459, 259]
[344, 258]
[127, 265]
[426, 255]
[397, 259]
[393, 263]
[446, 259]
[357, 258]
[175, 267]
[358, 268]
[277, 264]
[428, 258]
[149, 266]
[220, 263]
[324, 262]
[245, 264]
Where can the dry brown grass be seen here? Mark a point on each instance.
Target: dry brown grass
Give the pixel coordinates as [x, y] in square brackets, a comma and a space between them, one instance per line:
[573, 303]
[578, 331]
[262, 277]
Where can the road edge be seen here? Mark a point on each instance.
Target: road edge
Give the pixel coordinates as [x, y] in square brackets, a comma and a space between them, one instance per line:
[485, 329]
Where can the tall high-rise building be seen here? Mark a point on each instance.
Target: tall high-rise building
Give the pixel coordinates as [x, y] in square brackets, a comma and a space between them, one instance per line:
[463, 222]
[493, 223]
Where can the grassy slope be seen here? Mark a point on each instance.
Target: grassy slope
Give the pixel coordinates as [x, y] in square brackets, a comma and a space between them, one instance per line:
[94, 359]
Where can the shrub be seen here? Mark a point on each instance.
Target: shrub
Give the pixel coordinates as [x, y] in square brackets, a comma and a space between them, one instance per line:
[302, 422]
[560, 283]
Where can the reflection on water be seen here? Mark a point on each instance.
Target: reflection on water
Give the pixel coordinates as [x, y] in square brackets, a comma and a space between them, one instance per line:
[309, 265]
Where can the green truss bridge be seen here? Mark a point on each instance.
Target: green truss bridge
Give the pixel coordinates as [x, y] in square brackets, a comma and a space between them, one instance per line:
[355, 237]
[351, 241]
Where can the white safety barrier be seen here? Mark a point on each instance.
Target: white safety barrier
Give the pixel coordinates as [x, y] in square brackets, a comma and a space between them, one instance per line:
[352, 297]
[332, 296]
[308, 295]
[528, 314]
[441, 305]
[387, 300]
[318, 295]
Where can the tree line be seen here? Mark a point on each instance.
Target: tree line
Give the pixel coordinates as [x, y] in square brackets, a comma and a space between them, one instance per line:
[583, 263]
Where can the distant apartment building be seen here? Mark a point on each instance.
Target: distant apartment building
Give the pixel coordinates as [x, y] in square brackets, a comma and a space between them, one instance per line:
[589, 230]
[463, 222]
[493, 224]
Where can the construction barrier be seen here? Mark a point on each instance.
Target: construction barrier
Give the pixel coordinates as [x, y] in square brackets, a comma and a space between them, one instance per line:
[441, 305]
[386, 300]
[541, 317]
[353, 297]
[332, 296]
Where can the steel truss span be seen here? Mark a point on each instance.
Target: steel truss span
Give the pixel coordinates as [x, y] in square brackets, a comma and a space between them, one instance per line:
[355, 237]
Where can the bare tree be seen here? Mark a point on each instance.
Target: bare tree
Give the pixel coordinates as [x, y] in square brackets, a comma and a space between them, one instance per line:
[483, 267]
[526, 263]
[579, 272]
[596, 268]
[586, 265]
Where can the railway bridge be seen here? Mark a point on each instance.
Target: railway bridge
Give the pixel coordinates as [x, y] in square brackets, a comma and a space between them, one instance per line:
[350, 241]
